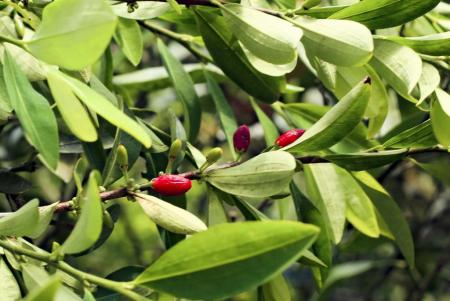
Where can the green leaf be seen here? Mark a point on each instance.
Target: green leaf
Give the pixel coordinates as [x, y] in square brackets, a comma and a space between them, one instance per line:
[321, 12]
[304, 115]
[47, 292]
[155, 78]
[129, 37]
[206, 265]
[223, 109]
[33, 111]
[80, 123]
[276, 290]
[364, 161]
[269, 68]
[8, 284]
[433, 44]
[271, 39]
[311, 260]
[336, 123]
[428, 81]
[36, 276]
[322, 247]
[45, 217]
[328, 196]
[440, 116]
[420, 135]
[168, 216]
[340, 42]
[228, 55]
[359, 210]
[262, 176]
[377, 14]
[184, 88]
[76, 42]
[22, 222]
[378, 106]
[400, 66]
[89, 225]
[146, 10]
[390, 213]
[216, 211]
[103, 107]
[270, 129]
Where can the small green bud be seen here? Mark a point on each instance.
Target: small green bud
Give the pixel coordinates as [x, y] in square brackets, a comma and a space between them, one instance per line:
[18, 24]
[122, 156]
[214, 155]
[175, 149]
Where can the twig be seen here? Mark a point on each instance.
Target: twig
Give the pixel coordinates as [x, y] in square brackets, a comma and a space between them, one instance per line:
[123, 288]
[183, 39]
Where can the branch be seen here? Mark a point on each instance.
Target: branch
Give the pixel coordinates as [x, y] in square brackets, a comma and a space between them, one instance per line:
[123, 288]
[185, 40]
[196, 175]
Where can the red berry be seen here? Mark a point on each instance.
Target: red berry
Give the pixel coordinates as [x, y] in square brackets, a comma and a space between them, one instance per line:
[288, 137]
[171, 184]
[241, 138]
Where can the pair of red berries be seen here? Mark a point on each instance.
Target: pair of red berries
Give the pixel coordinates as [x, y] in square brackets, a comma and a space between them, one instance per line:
[172, 185]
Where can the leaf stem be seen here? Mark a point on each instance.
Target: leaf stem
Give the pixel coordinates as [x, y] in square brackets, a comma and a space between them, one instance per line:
[123, 288]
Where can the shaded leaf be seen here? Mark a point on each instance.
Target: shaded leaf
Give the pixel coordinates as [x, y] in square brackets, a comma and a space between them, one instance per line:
[33, 112]
[420, 135]
[74, 114]
[184, 88]
[364, 161]
[433, 44]
[89, 225]
[390, 213]
[224, 111]
[270, 129]
[129, 37]
[335, 124]
[385, 13]
[231, 59]
[440, 117]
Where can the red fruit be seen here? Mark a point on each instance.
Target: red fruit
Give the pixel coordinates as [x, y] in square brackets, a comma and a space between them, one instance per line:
[241, 139]
[288, 137]
[171, 185]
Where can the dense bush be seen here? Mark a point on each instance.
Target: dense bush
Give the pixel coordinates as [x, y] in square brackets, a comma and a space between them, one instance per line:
[207, 150]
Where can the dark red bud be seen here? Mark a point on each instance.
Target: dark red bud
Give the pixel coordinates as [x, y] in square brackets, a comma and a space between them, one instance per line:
[288, 137]
[241, 138]
[171, 185]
